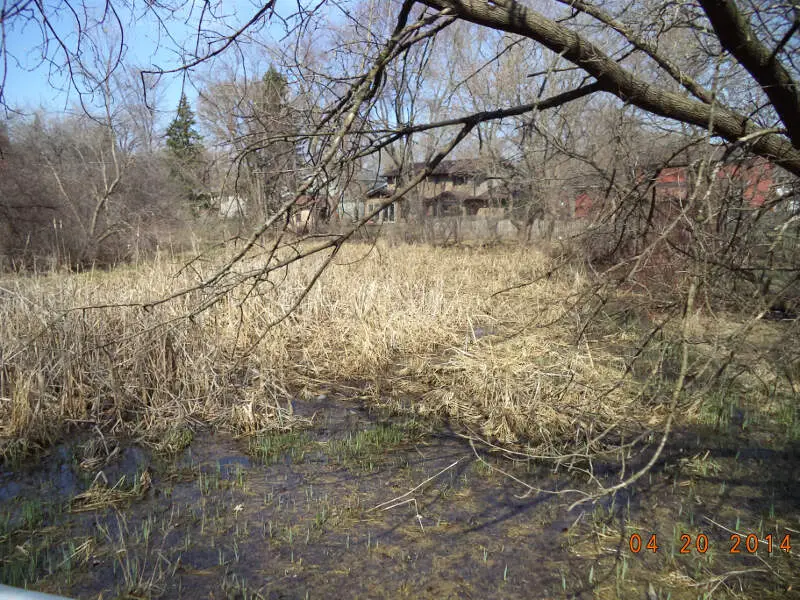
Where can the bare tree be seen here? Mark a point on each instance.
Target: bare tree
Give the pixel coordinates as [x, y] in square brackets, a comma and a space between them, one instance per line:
[84, 185]
[242, 113]
[713, 72]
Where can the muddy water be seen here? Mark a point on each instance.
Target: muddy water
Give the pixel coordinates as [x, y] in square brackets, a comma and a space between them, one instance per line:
[331, 516]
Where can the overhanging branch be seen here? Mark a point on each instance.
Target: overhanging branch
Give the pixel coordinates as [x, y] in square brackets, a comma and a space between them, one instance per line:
[738, 38]
[513, 17]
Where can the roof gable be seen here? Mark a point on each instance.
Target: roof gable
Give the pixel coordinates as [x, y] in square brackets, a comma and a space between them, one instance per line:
[465, 167]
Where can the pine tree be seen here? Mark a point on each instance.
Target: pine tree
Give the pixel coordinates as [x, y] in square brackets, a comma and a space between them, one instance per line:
[184, 144]
[274, 89]
[183, 140]
[275, 164]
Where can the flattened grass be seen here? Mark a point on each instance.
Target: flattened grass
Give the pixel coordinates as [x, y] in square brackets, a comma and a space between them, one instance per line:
[492, 338]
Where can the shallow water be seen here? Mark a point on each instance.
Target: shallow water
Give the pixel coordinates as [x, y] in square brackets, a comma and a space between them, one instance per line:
[320, 521]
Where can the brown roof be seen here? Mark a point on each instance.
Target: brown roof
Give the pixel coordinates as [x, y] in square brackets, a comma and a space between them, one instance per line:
[459, 166]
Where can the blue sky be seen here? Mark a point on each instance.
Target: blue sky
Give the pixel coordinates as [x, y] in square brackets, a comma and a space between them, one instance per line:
[31, 85]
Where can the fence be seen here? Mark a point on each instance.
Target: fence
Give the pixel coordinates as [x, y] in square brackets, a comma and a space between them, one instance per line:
[452, 230]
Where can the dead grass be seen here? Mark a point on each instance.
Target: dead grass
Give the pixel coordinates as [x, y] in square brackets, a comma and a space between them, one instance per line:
[406, 323]
[100, 495]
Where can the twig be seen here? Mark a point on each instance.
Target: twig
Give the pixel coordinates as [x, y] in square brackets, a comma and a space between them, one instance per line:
[411, 491]
[529, 487]
[676, 394]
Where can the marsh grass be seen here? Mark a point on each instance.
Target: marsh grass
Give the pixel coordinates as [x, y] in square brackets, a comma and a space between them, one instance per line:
[173, 441]
[366, 448]
[31, 544]
[406, 324]
[274, 447]
[139, 556]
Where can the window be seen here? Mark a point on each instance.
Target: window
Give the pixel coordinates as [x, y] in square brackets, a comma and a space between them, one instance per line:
[385, 216]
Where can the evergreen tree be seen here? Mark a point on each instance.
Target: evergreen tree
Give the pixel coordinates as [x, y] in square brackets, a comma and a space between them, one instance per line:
[183, 140]
[275, 163]
[184, 144]
[274, 89]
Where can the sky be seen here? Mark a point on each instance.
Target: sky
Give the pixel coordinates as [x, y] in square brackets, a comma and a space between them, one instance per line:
[33, 85]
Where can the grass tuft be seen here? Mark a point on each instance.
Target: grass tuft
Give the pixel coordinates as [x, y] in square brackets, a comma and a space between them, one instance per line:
[275, 447]
[365, 448]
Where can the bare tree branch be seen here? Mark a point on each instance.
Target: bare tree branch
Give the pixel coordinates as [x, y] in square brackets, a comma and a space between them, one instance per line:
[513, 17]
[738, 38]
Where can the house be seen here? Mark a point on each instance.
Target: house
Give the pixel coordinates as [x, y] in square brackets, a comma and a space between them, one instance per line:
[364, 193]
[372, 202]
[307, 213]
[583, 205]
[458, 187]
[754, 179]
[231, 207]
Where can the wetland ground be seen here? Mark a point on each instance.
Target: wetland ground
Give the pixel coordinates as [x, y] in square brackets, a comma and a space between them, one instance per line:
[367, 504]
[388, 437]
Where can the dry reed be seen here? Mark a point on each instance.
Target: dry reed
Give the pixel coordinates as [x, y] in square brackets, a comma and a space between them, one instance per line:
[408, 324]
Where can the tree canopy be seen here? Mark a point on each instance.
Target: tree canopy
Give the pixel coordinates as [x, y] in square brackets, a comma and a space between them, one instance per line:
[727, 67]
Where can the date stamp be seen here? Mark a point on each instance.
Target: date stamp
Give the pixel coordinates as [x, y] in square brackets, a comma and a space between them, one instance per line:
[700, 544]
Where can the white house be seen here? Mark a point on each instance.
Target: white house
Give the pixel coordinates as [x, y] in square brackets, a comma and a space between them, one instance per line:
[232, 207]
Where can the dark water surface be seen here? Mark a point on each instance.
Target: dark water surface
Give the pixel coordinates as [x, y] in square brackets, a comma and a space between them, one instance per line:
[319, 521]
